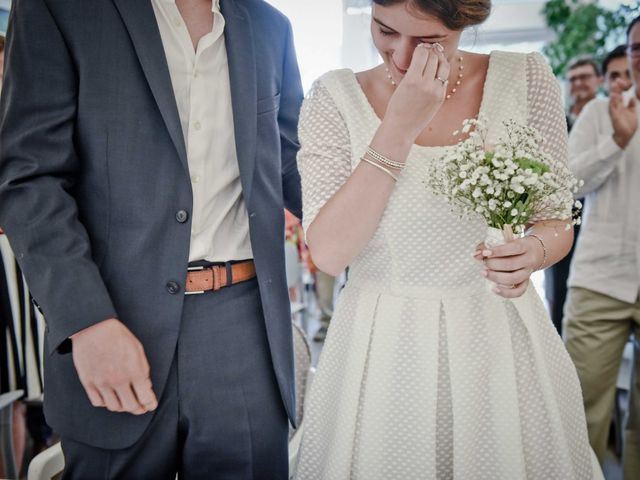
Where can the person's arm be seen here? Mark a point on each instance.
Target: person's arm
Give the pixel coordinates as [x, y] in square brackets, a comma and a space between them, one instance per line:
[592, 155]
[350, 214]
[290, 101]
[39, 167]
[547, 241]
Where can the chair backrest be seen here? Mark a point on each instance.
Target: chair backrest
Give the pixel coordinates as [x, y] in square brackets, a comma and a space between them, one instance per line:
[47, 465]
[302, 362]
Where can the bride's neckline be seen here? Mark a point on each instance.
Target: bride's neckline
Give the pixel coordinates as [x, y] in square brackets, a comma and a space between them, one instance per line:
[374, 115]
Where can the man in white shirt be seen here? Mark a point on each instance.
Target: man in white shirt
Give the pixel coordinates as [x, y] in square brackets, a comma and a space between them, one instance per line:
[148, 153]
[584, 80]
[615, 69]
[603, 306]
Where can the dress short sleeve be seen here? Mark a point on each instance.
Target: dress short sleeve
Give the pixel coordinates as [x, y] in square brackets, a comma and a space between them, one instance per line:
[546, 114]
[324, 158]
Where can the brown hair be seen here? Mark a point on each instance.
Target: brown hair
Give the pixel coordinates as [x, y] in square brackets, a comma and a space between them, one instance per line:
[1, 43]
[584, 61]
[454, 14]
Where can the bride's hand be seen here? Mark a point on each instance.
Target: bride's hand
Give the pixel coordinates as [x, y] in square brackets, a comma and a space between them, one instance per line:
[510, 265]
[421, 92]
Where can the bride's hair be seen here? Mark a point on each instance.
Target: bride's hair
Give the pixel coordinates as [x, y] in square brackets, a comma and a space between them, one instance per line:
[454, 14]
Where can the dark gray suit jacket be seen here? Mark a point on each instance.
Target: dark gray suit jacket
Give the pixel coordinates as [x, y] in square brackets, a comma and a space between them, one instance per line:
[93, 173]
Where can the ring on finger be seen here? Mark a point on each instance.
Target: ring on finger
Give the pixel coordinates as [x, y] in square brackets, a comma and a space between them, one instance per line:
[444, 82]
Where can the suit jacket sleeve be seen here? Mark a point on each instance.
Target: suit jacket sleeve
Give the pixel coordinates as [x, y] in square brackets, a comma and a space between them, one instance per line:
[39, 169]
[290, 102]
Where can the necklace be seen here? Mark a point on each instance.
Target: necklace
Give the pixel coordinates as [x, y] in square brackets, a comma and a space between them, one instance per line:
[457, 83]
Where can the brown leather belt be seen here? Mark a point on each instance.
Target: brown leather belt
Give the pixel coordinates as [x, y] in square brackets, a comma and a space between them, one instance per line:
[204, 279]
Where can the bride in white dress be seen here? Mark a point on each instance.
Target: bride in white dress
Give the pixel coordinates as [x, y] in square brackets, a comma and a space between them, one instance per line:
[425, 373]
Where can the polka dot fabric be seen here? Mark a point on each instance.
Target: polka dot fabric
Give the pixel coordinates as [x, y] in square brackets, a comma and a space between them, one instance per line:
[425, 374]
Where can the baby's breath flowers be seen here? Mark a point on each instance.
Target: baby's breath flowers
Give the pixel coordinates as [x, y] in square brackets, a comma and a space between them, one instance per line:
[512, 183]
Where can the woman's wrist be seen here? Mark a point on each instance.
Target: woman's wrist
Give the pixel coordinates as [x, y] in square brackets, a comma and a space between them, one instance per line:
[392, 140]
[540, 247]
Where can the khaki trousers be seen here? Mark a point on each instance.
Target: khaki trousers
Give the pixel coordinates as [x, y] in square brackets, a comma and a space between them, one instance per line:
[596, 329]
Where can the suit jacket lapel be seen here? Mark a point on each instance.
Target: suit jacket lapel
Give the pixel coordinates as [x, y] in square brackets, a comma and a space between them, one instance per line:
[242, 75]
[141, 23]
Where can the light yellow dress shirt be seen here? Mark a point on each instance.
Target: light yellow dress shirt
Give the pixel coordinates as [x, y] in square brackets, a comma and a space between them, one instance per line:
[607, 255]
[200, 79]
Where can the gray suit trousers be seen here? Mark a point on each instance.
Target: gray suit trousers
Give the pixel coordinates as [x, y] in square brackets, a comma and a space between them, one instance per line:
[221, 415]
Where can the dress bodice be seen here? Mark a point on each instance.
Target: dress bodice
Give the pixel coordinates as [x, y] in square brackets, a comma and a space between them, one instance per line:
[420, 243]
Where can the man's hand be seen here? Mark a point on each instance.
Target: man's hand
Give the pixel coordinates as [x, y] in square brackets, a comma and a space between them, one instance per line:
[623, 118]
[113, 368]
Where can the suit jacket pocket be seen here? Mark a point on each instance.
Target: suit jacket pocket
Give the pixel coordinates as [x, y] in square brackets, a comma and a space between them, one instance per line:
[268, 104]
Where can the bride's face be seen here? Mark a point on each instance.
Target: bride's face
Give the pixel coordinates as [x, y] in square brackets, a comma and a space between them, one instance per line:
[397, 30]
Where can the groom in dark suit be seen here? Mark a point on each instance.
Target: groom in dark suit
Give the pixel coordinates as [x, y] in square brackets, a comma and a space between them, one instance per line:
[147, 152]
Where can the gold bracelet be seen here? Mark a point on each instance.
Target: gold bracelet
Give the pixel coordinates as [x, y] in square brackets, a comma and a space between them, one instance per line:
[544, 250]
[384, 160]
[380, 167]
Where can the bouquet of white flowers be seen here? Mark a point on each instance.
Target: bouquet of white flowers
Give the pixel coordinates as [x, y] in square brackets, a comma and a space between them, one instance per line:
[509, 184]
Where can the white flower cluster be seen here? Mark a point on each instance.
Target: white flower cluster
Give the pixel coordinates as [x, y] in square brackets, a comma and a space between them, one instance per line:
[511, 183]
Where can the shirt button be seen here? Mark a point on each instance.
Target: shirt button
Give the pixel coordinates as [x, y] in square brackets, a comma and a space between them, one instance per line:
[182, 216]
[197, 126]
[195, 178]
[177, 22]
[173, 287]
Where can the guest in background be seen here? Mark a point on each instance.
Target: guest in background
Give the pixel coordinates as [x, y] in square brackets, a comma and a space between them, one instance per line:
[584, 80]
[602, 304]
[615, 68]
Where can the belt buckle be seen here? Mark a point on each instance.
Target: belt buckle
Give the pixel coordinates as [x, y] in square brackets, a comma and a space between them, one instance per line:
[197, 292]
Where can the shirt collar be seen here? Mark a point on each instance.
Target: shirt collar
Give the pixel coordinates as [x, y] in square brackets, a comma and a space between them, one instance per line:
[215, 5]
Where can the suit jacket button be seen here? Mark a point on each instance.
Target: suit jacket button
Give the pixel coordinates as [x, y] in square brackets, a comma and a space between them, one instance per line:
[182, 216]
[173, 287]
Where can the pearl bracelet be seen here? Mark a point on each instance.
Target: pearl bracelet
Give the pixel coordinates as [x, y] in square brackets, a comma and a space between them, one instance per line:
[544, 250]
[378, 157]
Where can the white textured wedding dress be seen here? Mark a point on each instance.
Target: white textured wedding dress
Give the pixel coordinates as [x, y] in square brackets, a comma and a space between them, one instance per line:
[425, 373]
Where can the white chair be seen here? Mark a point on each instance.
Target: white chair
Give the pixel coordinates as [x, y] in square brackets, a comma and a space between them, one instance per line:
[303, 377]
[47, 465]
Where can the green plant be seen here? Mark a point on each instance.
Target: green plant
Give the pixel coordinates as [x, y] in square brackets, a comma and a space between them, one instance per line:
[584, 28]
